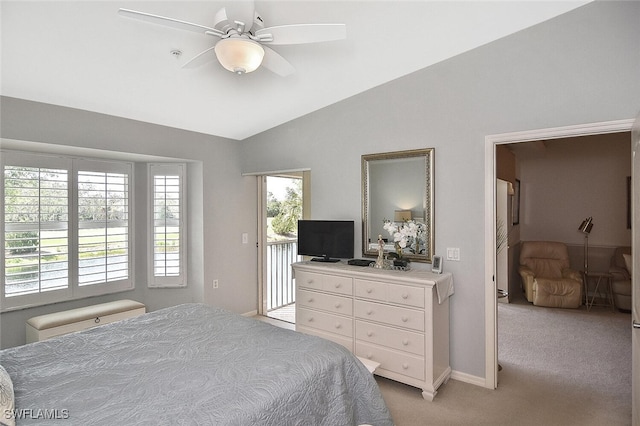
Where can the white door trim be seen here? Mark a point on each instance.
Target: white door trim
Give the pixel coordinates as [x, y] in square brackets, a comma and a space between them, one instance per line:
[262, 238]
[305, 175]
[491, 318]
[635, 242]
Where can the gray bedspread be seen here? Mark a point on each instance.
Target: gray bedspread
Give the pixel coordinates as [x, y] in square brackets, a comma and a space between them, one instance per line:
[192, 364]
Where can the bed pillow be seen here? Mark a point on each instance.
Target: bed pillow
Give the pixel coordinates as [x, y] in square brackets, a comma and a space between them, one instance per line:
[628, 262]
[6, 399]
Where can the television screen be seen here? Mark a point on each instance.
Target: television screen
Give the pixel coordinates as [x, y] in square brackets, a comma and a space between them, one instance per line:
[329, 240]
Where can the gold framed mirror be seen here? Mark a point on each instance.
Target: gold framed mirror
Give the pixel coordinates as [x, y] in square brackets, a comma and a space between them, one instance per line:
[397, 190]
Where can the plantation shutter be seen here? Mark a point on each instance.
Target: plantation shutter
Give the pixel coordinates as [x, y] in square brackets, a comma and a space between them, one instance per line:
[103, 227]
[167, 246]
[36, 230]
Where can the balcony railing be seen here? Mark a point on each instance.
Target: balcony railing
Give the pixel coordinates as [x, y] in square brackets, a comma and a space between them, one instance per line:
[280, 287]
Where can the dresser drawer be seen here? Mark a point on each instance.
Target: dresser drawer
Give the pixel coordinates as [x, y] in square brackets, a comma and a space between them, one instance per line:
[406, 295]
[331, 283]
[393, 338]
[326, 302]
[373, 290]
[394, 293]
[324, 321]
[397, 362]
[392, 315]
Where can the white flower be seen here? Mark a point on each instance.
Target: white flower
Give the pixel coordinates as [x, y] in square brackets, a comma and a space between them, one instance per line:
[404, 234]
[390, 227]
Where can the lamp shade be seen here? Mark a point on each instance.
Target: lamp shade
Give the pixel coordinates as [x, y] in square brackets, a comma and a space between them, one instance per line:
[402, 215]
[586, 225]
[239, 55]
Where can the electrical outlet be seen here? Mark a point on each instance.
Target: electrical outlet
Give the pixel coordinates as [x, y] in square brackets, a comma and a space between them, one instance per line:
[215, 283]
[245, 238]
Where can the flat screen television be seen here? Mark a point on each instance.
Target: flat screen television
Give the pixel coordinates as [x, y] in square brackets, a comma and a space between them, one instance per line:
[328, 240]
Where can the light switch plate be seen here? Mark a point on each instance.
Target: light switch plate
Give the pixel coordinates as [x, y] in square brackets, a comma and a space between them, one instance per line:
[453, 253]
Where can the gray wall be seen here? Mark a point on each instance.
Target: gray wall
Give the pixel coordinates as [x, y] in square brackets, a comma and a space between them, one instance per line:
[581, 67]
[221, 203]
[572, 179]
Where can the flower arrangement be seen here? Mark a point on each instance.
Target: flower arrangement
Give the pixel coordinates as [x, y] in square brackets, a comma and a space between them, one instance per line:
[405, 235]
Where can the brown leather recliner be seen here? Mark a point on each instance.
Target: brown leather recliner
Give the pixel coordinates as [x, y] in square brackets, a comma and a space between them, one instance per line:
[547, 279]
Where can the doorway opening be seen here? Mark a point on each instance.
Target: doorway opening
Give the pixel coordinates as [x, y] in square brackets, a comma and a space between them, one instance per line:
[491, 144]
[282, 201]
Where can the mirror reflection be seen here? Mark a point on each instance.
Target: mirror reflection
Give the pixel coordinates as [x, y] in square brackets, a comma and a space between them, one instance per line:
[397, 203]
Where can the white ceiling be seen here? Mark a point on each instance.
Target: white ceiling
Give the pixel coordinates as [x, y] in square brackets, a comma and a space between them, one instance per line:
[82, 54]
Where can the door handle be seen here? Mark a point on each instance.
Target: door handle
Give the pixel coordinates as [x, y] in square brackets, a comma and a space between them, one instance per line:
[636, 324]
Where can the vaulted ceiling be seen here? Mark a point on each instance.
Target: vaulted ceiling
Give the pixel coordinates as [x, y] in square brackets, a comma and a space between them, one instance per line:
[82, 54]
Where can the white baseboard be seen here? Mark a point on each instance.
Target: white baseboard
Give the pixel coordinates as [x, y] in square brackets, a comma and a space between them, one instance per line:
[250, 313]
[468, 378]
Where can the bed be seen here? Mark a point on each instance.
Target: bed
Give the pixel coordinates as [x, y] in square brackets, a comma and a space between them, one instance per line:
[192, 364]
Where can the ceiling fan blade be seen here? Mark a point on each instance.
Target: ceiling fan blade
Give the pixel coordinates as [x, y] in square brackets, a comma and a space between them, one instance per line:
[302, 33]
[169, 22]
[201, 58]
[276, 63]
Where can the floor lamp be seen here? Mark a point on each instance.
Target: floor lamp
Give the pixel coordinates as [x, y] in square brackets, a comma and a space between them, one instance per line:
[585, 228]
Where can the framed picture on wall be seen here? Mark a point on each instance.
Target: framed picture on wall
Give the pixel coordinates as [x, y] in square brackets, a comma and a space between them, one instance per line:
[515, 206]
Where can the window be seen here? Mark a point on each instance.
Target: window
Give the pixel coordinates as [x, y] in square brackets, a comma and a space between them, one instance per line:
[103, 225]
[167, 246]
[66, 230]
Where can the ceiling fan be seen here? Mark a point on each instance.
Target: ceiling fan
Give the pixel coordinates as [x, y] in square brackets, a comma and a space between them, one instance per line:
[242, 38]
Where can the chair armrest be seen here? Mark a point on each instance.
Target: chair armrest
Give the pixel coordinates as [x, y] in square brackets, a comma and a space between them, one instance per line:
[528, 278]
[572, 274]
[619, 273]
[525, 271]
[527, 274]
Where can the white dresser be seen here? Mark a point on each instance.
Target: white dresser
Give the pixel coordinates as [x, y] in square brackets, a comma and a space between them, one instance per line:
[390, 317]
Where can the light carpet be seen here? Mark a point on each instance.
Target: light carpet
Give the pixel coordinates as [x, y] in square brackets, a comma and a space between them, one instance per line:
[560, 367]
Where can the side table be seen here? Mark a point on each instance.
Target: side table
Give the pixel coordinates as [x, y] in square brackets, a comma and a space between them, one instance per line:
[600, 279]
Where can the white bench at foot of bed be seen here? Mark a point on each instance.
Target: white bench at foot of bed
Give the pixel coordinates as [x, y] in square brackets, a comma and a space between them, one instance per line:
[58, 323]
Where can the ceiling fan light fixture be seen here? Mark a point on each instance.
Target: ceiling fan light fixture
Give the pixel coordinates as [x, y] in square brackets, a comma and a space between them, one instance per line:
[239, 55]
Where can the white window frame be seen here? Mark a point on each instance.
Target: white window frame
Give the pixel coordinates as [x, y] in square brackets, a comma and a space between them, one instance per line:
[74, 290]
[165, 281]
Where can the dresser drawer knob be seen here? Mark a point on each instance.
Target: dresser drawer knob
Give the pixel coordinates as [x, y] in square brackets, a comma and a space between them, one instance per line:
[369, 311]
[405, 342]
[405, 296]
[309, 281]
[338, 305]
[369, 355]
[369, 333]
[338, 285]
[405, 319]
[338, 325]
[310, 299]
[310, 319]
[405, 366]
[369, 290]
